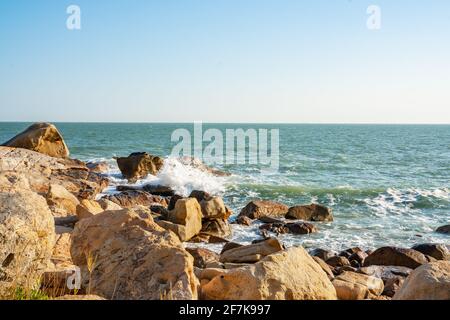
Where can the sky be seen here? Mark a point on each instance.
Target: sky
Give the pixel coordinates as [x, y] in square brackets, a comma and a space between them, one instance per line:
[256, 61]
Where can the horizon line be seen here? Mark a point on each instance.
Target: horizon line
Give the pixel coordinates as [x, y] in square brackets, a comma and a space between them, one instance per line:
[239, 122]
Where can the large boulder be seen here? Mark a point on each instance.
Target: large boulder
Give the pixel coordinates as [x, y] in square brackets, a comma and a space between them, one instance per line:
[132, 198]
[27, 235]
[444, 229]
[258, 209]
[253, 252]
[214, 208]
[61, 201]
[125, 255]
[88, 208]
[357, 286]
[217, 227]
[435, 250]
[43, 138]
[42, 171]
[287, 275]
[202, 256]
[393, 256]
[138, 165]
[294, 228]
[187, 212]
[312, 212]
[429, 282]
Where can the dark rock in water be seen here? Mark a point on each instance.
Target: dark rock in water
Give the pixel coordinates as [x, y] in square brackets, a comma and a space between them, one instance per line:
[437, 251]
[230, 245]
[294, 228]
[199, 195]
[128, 188]
[444, 229]
[258, 209]
[203, 256]
[338, 261]
[393, 256]
[161, 211]
[245, 221]
[138, 165]
[312, 212]
[207, 238]
[159, 190]
[218, 227]
[322, 253]
[129, 199]
[267, 219]
[359, 257]
[173, 201]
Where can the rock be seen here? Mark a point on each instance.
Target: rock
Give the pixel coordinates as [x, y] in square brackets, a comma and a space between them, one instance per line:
[218, 227]
[357, 286]
[386, 272]
[61, 251]
[88, 208]
[214, 208]
[359, 257]
[338, 261]
[287, 275]
[393, 256]
[66, 222]
[131, 198]
[98, 167]
[258, 209]
[444, 229]
[78, 297]
[230, 245]
[323, 254]
[159, 190]
[207, 238]
[41, 171]
[27, 236]
[138, 165]
[108, 205]
[392, 285]
[243, 220]
[437, 251]
[178, 229]
[126, 256]
[325, 267]
[430, 281]
[202, 256]
[312, 212]
[251, 253]
[187, 212]
[294, 228]
[199, 195]
[43, 138]
[61, 201]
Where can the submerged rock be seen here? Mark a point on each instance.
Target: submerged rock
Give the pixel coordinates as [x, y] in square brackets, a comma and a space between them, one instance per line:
[43, 138]
[287, 275]
[312, 212]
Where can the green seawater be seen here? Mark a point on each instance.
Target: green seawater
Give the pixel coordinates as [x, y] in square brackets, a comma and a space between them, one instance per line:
[386, 184]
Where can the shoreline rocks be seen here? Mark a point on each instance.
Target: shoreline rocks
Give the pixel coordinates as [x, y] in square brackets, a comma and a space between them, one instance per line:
[138, 165]
[312, 212]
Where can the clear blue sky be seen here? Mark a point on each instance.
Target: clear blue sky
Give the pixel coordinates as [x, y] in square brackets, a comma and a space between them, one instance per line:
[225, 61]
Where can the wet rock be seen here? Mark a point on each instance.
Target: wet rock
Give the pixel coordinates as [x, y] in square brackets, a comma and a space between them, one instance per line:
[173, 201]
[430, 281]
[312, 212]
[98, 167]
[444, 229]
[437, 251]
[258, 209]
[245, 221]
[199, 195]
[323, 254]
[159, 190]
[43, 138]
[393, 256]
[338, 261]
[294, 228]
[251, 253]
[139, 165]
[129, 199]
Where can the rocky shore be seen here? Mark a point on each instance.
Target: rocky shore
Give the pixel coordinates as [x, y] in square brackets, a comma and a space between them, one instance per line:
[60, 238]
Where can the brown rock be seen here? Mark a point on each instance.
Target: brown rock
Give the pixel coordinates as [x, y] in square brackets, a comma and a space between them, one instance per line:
[393, 256]
[243, 220]
[159, 190]
[430, 281]
[230, 245]
[214, 208]
[188, 213]
[202, 256]
[357, 286]
[138, 165]
[199, 195]
[312, 212]
[88, 208]
[258, 209]
[218, 227]
[124, 255]
[444, 229]
[129, 199]
[323, 254]
[286, 275]
[392, 285]
[61, 201]
[386, 272]
[251, 253]
[325, 267]
[43, 138]
[294, 228]
[338, 261]
[437, 251]
[108, 205]
[98, 167]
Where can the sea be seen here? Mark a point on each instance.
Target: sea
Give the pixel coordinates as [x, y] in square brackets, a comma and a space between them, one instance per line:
[386, 184]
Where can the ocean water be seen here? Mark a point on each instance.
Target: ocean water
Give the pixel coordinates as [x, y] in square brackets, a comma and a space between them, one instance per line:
[386, 184]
